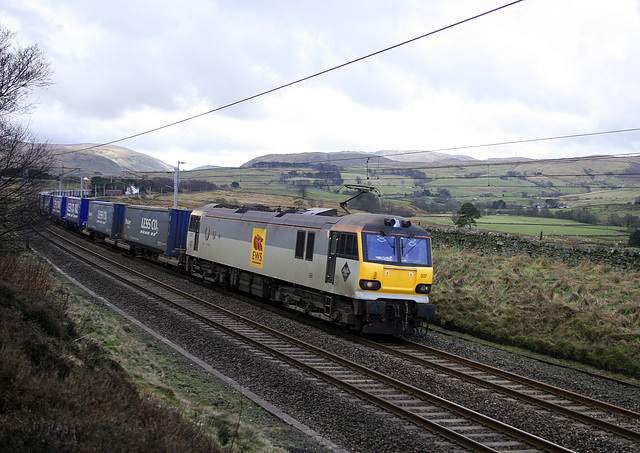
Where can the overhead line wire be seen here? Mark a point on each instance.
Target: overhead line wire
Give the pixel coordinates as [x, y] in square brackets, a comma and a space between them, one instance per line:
[503, 162]
[461, 165]
[340, 66]
[483, 176]
[517, 142]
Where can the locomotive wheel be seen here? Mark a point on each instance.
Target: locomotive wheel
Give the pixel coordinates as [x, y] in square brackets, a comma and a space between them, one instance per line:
[422, 330]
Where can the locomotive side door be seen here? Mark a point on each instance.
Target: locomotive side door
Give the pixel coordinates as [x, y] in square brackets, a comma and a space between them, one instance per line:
[331, 257]
[194, 227]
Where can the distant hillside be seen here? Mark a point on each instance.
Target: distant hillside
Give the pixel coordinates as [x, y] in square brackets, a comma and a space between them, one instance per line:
[205, 167]
[105, 160]
[358, 158]
[420, 156]
[340, 158]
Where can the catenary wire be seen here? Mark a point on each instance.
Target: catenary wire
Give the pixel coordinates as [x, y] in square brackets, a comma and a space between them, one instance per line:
[429, 179]
[340, 66]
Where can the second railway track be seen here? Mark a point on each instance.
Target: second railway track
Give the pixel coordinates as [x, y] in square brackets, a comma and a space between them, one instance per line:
[621, 421]
[465, 427]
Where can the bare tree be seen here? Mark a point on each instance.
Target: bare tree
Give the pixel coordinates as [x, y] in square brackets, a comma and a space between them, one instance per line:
[21, 70]
[24, 162]
[23, 169]
[303, 190]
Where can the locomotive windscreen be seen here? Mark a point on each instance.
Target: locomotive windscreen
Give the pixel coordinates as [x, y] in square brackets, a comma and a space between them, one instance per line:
[397, 249]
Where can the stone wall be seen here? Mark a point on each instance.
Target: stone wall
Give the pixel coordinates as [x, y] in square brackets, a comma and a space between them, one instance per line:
[484, 242]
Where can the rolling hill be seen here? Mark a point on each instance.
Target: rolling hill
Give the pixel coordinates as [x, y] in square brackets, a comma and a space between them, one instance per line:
[104, 160]
[357, 158]
[421, 156]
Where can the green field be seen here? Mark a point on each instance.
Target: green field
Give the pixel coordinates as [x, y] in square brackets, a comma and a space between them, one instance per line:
[534, 226]
[605, 188]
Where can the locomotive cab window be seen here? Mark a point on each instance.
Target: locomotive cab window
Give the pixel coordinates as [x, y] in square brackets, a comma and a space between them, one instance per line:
[415, 251]
[305, 243]
[348, 246]
[404, 250]
[381, 248]
[194, 223]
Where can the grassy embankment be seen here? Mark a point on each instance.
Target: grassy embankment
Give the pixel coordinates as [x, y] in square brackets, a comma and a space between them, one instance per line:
[74, 377]
[589, 313]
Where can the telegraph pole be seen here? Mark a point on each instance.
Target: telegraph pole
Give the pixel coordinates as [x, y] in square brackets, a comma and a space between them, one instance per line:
[176, 182]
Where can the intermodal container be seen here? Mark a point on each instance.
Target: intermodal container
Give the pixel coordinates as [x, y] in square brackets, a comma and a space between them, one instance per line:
[106, 218]
[159, 229]
[77, 210]
[59, 206]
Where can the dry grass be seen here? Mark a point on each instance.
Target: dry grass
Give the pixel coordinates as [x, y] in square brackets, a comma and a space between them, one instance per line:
[285, 198]
[587, 313]
[60, 391]
[203, 400]
[26, 275]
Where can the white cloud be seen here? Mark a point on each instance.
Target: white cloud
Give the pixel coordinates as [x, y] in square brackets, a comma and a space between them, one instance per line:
[535, 69]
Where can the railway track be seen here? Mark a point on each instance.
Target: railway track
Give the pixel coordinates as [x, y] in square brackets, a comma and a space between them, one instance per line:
[621, 421]
[463, 426]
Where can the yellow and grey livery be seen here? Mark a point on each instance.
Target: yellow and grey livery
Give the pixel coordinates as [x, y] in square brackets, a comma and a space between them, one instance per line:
[371, 273]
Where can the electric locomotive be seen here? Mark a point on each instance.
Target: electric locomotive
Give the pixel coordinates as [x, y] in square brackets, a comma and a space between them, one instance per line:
[367, 272]
[371, 273]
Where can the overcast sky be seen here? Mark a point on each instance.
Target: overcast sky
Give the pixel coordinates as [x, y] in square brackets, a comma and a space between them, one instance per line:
[539, 68]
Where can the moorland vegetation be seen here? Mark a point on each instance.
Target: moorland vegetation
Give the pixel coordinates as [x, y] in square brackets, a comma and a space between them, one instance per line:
[588, 314]
[75, 378]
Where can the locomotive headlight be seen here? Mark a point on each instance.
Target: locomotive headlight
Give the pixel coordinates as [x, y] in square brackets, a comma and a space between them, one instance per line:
[423, 288]
[370, 285]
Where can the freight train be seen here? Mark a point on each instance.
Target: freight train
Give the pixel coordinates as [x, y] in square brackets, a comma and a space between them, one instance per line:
[367, 272]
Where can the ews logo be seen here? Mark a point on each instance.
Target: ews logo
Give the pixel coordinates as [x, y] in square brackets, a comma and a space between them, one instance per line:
[257, 246]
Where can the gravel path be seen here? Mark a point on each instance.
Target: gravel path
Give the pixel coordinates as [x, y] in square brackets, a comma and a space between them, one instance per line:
[338, 416]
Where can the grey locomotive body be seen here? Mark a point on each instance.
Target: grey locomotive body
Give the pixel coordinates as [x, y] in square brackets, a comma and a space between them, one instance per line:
[314, 262]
